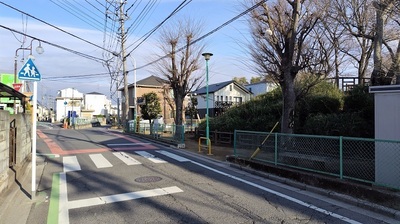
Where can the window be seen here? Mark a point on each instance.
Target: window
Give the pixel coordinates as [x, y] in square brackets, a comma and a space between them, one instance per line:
[230, 98]
[230, 87]
[226, 98]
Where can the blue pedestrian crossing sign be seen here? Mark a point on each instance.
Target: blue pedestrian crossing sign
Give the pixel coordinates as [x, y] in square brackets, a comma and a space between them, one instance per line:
[29, 72]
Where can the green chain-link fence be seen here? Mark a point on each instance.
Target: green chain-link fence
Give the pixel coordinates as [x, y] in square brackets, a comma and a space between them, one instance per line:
[367, 160]
[171, 132]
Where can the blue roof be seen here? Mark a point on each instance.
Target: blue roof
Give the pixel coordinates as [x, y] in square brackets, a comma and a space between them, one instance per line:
[217, 86]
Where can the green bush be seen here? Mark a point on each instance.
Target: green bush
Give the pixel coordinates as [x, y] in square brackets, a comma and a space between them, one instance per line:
[339, 124]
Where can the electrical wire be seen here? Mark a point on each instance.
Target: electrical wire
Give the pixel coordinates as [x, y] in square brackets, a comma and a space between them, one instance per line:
[204, 36]
[40, 20]
[148, 34]
[57, 46]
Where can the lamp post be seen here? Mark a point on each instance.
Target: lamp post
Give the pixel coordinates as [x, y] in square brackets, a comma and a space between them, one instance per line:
[207, 57]
[39, 50]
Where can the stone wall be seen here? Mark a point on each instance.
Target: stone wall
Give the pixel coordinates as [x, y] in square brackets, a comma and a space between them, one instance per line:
[23, 138]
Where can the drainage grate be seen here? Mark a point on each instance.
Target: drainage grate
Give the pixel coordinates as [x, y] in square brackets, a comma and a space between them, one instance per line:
[148, 179]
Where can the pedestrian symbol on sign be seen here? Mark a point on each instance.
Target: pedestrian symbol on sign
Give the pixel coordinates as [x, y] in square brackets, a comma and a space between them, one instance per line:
[29, 72]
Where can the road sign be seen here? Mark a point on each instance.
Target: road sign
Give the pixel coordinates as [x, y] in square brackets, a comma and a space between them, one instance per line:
[29, 72]
[17, 86]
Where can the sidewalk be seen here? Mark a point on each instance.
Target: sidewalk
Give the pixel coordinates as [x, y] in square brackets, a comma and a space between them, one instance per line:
[16, 202]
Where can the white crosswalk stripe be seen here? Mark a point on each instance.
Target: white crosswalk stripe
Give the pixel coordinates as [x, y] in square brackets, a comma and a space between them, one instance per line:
[100, 161]
[71, 163]
[150, 157]
[126, 158]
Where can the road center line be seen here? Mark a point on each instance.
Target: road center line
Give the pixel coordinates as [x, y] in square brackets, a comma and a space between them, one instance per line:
[123, 197]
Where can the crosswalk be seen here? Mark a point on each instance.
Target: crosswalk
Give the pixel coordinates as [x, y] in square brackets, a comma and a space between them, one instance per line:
[71, 163]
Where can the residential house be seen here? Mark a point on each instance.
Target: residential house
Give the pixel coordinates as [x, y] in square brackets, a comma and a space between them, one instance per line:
[151, 84]
[68, 100]
[221, 96]
[260, 87]
[96, 104]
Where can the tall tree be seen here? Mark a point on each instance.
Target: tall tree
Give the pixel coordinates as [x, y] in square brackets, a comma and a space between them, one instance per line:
[181, 61]
[287, 41]
[241, 80]
[255, 79]
[350, 24]
[384, 10]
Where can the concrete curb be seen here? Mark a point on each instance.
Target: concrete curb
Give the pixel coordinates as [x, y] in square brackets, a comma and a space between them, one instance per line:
[331, 194]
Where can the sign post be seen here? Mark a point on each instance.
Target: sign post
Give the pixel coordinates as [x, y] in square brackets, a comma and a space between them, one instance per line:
[29, 72]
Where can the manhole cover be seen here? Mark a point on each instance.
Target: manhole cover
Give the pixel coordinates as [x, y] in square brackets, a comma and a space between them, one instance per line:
[148, 179]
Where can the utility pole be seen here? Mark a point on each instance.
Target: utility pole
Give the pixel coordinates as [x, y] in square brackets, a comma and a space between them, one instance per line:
[125, 110]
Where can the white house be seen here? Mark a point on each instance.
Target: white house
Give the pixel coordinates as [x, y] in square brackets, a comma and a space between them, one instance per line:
[221, 96]
[68, 100]
[98, 103]
[260, 87]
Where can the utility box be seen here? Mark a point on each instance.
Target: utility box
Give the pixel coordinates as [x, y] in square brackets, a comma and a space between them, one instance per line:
[387, 127]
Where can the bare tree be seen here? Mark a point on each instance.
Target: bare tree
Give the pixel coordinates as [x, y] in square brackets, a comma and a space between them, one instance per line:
[181, 61]
[354, 30]
[383, 11]
[286, 41]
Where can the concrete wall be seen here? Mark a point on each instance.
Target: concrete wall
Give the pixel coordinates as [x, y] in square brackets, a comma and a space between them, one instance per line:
[24, 139]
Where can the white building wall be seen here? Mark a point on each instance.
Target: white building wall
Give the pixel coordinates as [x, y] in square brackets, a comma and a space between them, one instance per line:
[201, 101]
[98, 103]
[66, 95]
[387, 127]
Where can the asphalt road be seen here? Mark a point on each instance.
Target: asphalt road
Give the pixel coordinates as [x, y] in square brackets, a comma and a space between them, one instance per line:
[102, 176]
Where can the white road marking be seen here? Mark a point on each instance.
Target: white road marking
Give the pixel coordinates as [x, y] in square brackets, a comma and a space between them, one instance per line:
[100, 161]
[150, 157]
[126, 158]
[63, 215]
[292, 199]
[70, 163]
[173, 156]
[123, 197]
[119, 144]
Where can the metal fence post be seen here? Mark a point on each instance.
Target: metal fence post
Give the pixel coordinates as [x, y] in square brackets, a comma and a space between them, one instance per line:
[341, 156]
[276, 149]
[234, 142]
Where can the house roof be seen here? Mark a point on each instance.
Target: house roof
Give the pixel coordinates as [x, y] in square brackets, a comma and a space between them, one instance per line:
[94, 93]
[217, 86]
[151, 81]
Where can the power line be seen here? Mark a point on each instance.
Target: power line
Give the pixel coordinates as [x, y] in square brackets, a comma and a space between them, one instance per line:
[205, 35]
[73, 35]
[55, 45]
[148, 34]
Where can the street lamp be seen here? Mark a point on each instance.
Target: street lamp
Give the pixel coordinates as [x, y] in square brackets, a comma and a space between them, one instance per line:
[39, 50]
[207, 57]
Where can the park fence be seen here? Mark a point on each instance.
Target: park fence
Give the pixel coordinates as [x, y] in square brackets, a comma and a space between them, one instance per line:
[169, 132]
[372, 161]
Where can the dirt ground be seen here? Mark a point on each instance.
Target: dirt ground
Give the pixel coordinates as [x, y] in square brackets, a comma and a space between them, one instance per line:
[218, 152]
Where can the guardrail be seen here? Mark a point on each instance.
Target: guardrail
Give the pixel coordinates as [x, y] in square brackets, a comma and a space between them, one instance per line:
[372, 161]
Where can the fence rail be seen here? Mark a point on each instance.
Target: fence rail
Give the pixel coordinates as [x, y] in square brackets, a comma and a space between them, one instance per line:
[371, 161]
[171, 132]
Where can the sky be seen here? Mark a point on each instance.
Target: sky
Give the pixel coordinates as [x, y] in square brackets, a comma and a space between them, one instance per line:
[78, 25]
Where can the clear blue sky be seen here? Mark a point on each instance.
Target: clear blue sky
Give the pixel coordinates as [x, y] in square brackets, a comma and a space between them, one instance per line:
[226, 63]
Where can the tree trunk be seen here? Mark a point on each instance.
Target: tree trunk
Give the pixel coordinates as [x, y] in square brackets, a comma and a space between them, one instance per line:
[377, 75]
[289, 100]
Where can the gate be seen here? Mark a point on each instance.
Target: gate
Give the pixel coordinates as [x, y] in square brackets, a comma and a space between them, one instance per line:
[13, 144]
